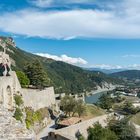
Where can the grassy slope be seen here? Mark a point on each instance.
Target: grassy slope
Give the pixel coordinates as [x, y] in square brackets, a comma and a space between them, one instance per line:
[136, 119]
[93, 111]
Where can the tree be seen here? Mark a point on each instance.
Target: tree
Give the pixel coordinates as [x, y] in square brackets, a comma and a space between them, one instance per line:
[97, 132]
[105, 101]
[123, 129]
[79, 108]
[23, 79]
[71, 106]
[38, 77]
[68, 104]
[79, 136]
[128, 108]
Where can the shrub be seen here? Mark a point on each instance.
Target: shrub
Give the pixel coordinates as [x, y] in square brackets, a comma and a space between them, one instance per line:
[33, 117]
[18, 100]
[18, 114]
[29, 117]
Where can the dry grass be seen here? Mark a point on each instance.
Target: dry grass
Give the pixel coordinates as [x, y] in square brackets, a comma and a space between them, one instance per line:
[136, 119]
[92, 111]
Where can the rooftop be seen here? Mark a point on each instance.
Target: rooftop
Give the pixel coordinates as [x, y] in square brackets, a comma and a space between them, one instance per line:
[70, 121]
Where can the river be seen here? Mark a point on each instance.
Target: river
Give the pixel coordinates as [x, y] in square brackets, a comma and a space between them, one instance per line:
[94, 98]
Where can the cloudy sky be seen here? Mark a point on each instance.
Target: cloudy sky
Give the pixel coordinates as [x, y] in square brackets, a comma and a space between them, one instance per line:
[87, 33]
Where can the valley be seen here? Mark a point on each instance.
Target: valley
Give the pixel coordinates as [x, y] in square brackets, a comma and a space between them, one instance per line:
[52, 99]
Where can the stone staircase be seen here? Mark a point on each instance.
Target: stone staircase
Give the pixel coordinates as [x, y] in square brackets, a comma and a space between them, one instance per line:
[11, 129]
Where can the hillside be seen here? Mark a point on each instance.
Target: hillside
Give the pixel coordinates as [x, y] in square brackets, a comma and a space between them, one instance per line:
[129, 74]
[65, 77]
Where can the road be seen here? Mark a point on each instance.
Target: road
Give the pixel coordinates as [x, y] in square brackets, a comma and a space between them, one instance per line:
[44, 132]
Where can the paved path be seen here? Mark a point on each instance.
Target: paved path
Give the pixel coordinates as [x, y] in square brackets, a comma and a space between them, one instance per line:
[46, 130]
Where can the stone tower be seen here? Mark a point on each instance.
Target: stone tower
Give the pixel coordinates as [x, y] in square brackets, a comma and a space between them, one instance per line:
[9, 84]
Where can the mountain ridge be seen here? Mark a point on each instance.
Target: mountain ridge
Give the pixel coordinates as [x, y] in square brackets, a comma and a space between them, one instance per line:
[129, 74]
[65, 77]
[106, 71]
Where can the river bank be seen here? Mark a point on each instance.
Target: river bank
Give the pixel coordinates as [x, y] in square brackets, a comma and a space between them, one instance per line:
[100, 90]
[93, 96]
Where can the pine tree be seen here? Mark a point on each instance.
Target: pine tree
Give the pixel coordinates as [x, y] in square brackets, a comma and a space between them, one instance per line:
[38, 77]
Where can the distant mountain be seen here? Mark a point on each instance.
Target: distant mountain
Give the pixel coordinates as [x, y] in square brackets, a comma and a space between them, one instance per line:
[65, 77]
[129, 74]
[106, 71]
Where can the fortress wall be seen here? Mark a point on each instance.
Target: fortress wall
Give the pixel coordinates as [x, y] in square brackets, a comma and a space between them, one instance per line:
[16, 83]
[11, 81]
[38, 98]
[9, 85]
[81, 127]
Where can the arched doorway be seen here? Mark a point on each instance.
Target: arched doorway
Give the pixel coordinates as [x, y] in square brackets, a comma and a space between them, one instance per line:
[9, 98]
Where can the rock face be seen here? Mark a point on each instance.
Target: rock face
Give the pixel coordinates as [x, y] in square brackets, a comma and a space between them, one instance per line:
[10, 129]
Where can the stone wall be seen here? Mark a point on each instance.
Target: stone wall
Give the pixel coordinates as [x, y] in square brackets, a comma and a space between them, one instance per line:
[38, 98]
[69, 132]
[9, 85]
[53, 136]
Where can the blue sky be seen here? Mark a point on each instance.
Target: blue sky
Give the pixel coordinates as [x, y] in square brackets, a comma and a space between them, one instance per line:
[87, 33]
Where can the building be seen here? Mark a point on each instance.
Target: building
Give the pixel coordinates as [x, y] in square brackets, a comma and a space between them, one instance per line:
[68, 122]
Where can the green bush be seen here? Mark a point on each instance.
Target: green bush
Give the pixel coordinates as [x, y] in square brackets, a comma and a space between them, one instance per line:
[18, 100]
[29, 117]
[23, 79]
[33, 117]
[18, 114]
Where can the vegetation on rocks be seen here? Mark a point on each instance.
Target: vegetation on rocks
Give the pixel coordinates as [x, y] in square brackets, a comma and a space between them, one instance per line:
[18, 100]
[33, 117]
[18, 114]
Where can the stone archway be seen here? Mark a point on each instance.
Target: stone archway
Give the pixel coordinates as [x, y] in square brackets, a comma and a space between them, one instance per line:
[9, 98]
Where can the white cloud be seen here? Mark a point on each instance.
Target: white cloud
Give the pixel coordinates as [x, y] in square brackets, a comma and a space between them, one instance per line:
[49, 3]
[105, 66]
[109, 67]
[115, 23]
[64, 58]
[41, 3]
[133, 66]
[131, 56]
